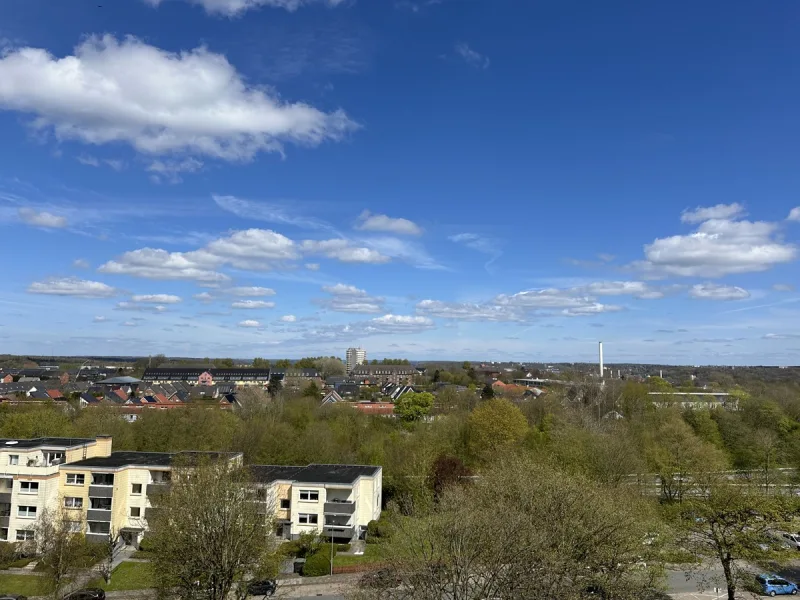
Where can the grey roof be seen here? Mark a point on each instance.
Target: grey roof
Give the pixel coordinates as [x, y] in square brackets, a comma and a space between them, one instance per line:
[45, 441]
[345, 474]
[124, 380]
[148, 459]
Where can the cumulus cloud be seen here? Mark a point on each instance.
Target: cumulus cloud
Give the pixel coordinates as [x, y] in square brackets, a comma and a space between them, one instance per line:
[189, 103]
[713, 291]
[370, 222]
[80, 263]
[156, 298]
[467, 311]
[254, 249]
[72, 286]
[140, 307]
[720, 211]
[288, 319]
[234, 8]
[794, 214]
[249, 323]
[99, 319]
[41, 218]
[388, 324]
[343, 250]
[471, 57]
[717, 248]
[251, 291]
[590, 309]
[170, 170]
[252, 304]
[782, 336]
[203, 297]
[350, 299]
[151, 263]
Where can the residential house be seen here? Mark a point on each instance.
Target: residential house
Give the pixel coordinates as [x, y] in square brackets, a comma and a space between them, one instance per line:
[200, 376]
[382, 409]
[331, 398]
[383, 374]
[29, 478]
[336, 501]
[394, 391]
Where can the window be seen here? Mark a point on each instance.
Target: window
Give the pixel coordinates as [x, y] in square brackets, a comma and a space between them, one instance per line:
[309, 495]
[26, 512]
[74, 526]
[75, 478]
[286, 503]
[136, 489]
[24, 535]
[136, 511]
[13, 459]
[99, 527]
[308, 519]
[71, 502]
[102, 479]
[29, 487]
[4, 534]
[100, 503]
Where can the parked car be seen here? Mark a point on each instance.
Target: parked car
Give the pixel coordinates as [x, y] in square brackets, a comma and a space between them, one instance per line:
[266, 587]
[87, 594]
[792, 539]
[772, 585]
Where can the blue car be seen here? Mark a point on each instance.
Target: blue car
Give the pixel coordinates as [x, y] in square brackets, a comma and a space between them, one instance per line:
[772, 585]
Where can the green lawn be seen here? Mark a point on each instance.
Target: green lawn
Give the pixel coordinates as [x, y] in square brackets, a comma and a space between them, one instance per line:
[373, 553]
[128, 576]
[25, 585]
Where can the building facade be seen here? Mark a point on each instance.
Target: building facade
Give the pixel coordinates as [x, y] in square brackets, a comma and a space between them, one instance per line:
[201, 376]
[29, 479]
[384, 374]
[355, 357]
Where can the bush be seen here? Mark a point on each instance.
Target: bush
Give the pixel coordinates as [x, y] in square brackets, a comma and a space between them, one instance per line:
[317, 564]
[342, 547]
[303, 546]
[378, 530]
[146, 545]
[8, 554]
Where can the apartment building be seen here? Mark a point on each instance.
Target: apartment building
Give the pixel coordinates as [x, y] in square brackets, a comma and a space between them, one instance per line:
[335, 501]
[29, 478]
[384, 374]
[110, 495]
[355, 357]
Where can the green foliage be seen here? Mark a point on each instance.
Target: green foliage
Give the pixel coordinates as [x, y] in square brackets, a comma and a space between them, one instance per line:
[129, 576]
[283, 364]
[317, 564]
[379, 531]
[312, 391]
[413, 406]
[261, 363]
[487, 393]
[495, 425]
[224, 363]
[342, 547]
[305, 545]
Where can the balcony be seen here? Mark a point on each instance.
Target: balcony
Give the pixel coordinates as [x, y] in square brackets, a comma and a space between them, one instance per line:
[338, 532]
[5, 497]
[4, 521]
[157, 489]
[101, 491]
[98, 515]
[340, 508]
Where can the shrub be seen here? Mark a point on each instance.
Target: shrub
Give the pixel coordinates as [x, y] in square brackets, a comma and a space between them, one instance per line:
[146, 545]
[317, 564]
[377, 530]
[8, 554]
[305, 545]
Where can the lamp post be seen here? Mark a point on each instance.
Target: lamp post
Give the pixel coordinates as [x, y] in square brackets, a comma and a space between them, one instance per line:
[331, 554]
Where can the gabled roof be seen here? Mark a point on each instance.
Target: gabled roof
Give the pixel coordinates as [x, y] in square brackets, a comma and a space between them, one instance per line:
[331, 397]
[125, 380]
[345, 474]
[55, 394]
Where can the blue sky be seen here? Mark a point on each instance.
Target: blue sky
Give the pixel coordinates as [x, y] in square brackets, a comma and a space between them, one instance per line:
[475, 179]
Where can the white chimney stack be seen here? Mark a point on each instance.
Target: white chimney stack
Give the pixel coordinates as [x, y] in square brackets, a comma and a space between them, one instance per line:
[601, 360]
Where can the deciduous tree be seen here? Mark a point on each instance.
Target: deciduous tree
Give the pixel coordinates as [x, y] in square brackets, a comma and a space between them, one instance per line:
[413, 406]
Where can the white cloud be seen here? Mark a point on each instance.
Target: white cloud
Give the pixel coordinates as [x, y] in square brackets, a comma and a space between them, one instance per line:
[157, 299]
[203, 297]
[151, 263]
[249, 323]
[233, 8]
[590, 309]
[713, 291]
[719, 247]
[251, 291]
[283, 213]
[252, 304]
[408, 251]
[99, 319]
[143, 307]
[288, 319]
[794, 214]
[472, 58]
[466, 311]
[370, 222]
[71, 286]
[638, 289]
[350, 299]
[783, 287]
[170, 170]
[344, 251]
[129, 324]
[400, 323]
[41, 218]
[481, 244]
[189, 103]
[782, 336]
[720, 211]
[312, 266]
[89, 161]
[80, 263]
[254, 249]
